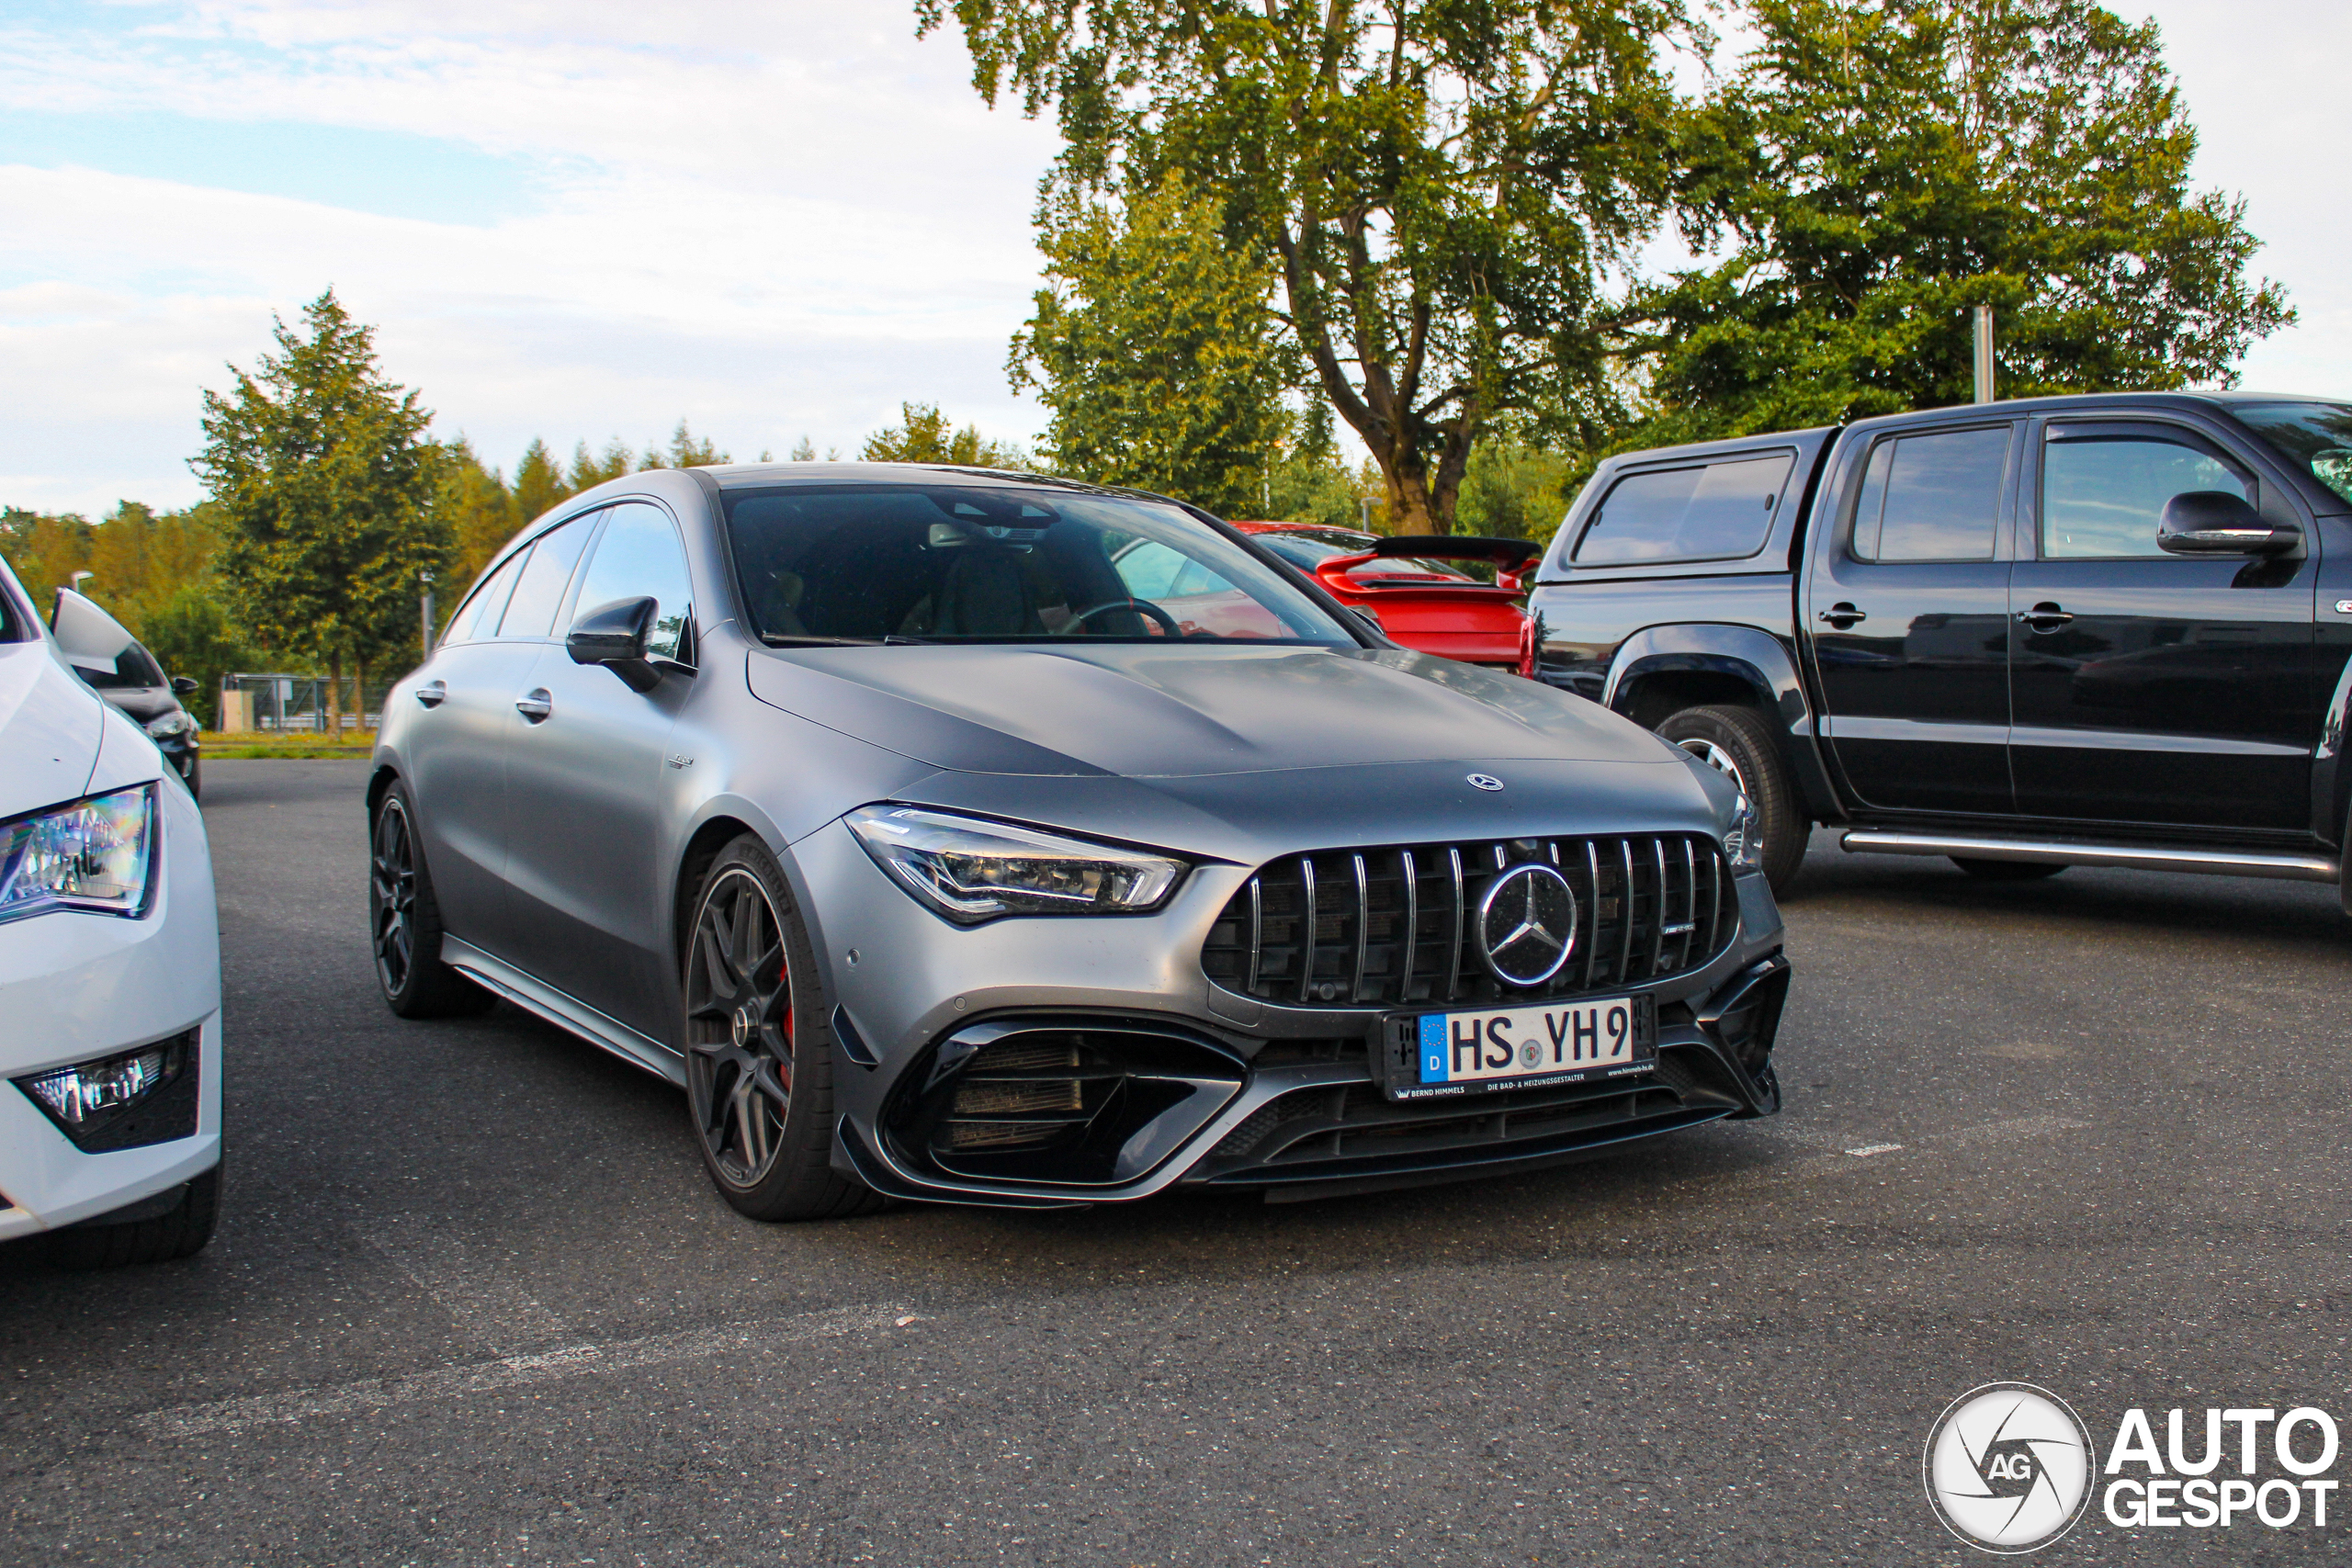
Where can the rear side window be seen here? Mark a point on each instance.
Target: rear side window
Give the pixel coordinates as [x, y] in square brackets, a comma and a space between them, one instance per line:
[478, 616]
[538, 593]
[1934, 497]
[2103, 495]
[639, 558]
[1707, 512]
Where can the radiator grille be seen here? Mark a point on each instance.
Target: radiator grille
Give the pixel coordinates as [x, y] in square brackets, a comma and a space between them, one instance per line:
[1392, 927]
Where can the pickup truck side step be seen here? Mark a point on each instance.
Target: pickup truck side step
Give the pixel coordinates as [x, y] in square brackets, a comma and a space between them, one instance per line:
[2083, 852]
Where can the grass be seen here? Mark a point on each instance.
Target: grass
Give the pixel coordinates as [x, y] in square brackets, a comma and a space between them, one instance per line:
[290, 745]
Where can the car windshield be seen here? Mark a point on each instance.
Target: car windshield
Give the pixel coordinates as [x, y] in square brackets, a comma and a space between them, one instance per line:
[1308, 548]
[871, 563]
[2318, 436]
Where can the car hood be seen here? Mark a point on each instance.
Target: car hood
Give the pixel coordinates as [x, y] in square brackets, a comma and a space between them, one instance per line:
[49, 728]
[1140, 711]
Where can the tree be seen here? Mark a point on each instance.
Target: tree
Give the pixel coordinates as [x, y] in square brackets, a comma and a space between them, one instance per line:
[1156, 348]
[190, 634]
[481, 512]
[686, 451]
[1442, 186]
[324, 485]
[923, 434]
[589, 470]
[539, 481]
[1877, 169]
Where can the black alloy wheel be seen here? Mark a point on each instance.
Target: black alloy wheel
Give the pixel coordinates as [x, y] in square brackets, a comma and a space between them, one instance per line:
[759, 1053]
[404, 922]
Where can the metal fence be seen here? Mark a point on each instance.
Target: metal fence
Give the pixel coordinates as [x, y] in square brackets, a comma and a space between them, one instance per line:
[271, 701]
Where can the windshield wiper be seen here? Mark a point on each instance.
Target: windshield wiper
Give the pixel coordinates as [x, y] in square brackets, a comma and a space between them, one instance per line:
[782, 639]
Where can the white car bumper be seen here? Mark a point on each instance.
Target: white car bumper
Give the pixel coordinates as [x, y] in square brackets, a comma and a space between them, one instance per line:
[75, 986]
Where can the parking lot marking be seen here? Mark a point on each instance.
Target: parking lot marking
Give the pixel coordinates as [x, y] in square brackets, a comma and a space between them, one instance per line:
[1868, 1149]
[513, 1371]
[489, 1307]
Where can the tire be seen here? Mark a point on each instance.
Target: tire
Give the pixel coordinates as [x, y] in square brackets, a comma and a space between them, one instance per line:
[404, 928]
[760, 1051]
[2007, 870]
[180, 1232]
[1737, 743]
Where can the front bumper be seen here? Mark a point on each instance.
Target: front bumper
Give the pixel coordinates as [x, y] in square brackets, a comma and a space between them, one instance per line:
[1237, 1094]
[75, 986]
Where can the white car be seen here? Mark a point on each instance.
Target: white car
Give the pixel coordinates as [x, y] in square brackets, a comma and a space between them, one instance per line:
[109, 961]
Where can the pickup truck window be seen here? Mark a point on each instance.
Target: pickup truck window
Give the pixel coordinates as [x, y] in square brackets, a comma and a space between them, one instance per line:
[2317, 436]
[1933, 496]
[1707, 512]
[2102, 495]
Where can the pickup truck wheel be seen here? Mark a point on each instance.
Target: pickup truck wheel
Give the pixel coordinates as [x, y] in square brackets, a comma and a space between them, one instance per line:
[1737, 743]
[2007, 870]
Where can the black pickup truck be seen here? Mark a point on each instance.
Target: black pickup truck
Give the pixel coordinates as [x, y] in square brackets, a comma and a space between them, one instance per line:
[2106, 630]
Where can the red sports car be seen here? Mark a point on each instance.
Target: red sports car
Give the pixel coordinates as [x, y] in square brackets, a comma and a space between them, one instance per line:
[1403, 581]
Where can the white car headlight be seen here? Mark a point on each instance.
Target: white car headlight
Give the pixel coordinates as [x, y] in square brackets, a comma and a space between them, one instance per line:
[1744, 838]
[175, 722]
[95, 854]
[972, 870]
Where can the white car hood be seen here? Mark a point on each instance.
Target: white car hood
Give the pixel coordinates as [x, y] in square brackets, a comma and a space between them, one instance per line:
[50, 726]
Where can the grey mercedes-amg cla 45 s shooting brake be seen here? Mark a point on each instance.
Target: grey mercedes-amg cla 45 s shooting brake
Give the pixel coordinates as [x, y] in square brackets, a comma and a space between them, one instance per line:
[977, 837]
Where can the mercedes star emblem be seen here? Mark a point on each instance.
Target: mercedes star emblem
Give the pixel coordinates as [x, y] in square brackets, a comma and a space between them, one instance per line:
[1484, 781]
[1527, 923]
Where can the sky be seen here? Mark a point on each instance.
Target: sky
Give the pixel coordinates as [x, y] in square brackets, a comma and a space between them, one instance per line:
[590, 219]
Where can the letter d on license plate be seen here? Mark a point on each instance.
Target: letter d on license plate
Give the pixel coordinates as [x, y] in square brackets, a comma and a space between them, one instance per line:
[1438, 1053]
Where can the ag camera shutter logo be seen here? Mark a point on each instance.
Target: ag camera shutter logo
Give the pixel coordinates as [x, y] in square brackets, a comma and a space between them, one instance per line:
[2007, 1468]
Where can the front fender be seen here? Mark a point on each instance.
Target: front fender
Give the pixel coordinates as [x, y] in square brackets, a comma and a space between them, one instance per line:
[1749, 654]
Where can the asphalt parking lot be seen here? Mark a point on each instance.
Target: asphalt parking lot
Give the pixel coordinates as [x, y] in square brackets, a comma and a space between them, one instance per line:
[474, 1302]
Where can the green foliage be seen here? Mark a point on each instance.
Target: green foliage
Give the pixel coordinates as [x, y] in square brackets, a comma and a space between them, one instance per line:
[189, 633]
[1878, 167]
[1442, 186]
[481, 512]
[923, 434]
[539, 481]
[324, 485]
[589, 469]
[1156, 348]
[685, 451]
[1515, 492]
[44, 550]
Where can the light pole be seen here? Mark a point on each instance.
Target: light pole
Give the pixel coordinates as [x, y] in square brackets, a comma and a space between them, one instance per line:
[426, 609]
[1984, 346]
[73, 580]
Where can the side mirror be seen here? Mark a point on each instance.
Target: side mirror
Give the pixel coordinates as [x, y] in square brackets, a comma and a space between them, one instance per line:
[91, 640]
[184, 687]
[614, 636]
[2216, 522]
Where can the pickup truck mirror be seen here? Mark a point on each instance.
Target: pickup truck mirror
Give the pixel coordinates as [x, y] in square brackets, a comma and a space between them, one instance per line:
[2216, 522]
[614, 636]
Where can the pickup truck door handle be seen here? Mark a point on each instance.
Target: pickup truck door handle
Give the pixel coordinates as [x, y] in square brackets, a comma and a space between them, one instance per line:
[2044, 617]
[1841, 614]
[433, 694]
[534, 705]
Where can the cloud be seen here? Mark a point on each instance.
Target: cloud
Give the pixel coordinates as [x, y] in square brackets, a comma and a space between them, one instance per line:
[772, 219]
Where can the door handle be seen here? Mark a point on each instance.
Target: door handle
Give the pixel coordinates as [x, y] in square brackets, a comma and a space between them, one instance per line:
[433, 694]
[2044, 617]
[534, 705]
[1842, 615]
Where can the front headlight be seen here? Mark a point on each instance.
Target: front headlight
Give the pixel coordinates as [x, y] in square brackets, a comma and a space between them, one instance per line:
[175, 722]
[972, 870]
[1742, 838]
[93, 854]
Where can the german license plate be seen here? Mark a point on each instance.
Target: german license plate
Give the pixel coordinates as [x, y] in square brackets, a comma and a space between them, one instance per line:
[1439, 1054]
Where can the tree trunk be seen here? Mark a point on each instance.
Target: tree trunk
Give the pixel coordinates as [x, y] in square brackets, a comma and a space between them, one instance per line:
[334, 696]
[359, 690]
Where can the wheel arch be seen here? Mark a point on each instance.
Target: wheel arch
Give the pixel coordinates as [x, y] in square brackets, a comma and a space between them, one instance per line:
[1660, 670]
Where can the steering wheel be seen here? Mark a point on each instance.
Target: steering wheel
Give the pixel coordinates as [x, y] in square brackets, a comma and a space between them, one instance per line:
[1141, 606]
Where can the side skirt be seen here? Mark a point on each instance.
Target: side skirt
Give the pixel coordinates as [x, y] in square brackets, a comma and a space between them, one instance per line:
[2083, 852]
[561, 1010]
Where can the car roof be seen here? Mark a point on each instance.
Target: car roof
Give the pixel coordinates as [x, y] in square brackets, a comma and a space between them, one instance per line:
[767, 476]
